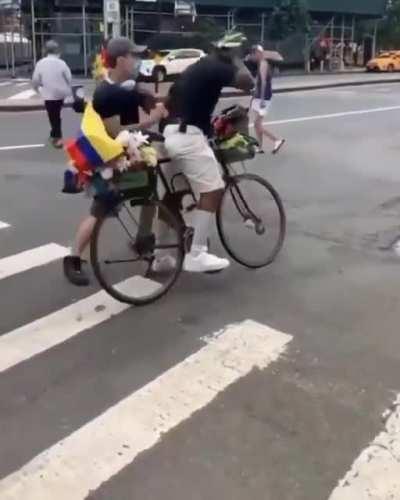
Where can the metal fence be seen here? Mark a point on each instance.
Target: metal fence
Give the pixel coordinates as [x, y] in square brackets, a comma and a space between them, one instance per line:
[80, 35]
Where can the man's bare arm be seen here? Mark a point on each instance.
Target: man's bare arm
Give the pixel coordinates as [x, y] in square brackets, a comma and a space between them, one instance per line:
[243, 79]
[263, 75]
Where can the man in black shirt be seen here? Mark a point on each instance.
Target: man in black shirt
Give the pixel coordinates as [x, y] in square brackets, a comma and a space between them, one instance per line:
[192, 101]
[117, 100]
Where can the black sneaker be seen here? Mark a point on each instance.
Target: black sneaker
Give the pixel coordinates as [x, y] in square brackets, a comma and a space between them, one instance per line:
[74, 273]
[56, 143]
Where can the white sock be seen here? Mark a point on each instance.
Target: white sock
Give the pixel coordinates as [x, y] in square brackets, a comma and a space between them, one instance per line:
[201, 224]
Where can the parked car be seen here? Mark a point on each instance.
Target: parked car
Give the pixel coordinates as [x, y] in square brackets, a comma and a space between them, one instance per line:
[386, 61]
[169, 63]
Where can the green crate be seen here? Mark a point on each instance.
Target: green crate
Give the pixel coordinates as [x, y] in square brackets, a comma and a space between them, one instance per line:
[228, 156]
[139, 184]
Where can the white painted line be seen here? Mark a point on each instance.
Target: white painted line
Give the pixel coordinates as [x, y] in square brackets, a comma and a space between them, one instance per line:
[70, 469]
[44, 333]
[4, 84]
[40, 256]
[26, 94]
[375, 475]
[23, 146]
[22, 84]
[334, 115]
[4, 225]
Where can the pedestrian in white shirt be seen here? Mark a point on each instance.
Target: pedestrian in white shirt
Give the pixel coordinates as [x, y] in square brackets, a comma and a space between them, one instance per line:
[52, 79]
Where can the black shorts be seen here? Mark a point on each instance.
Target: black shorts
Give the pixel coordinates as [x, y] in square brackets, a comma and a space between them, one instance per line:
[102, 207]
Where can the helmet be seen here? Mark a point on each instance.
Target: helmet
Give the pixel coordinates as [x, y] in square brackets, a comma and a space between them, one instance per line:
[231, 40]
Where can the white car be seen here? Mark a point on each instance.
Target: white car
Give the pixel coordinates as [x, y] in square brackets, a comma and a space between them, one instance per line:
[169, 63]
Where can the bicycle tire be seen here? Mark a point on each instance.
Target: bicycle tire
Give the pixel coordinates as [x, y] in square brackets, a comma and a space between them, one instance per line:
[232, 183]
[97, 267]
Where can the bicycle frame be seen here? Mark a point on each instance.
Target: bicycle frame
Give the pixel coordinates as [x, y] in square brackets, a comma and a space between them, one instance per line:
[229, 178]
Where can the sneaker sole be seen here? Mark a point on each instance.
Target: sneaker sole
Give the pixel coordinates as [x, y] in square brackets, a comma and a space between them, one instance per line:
[276, 151]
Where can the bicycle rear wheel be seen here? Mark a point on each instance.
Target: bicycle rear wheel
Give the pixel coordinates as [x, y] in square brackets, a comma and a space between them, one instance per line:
[132, 261]
[251, 221]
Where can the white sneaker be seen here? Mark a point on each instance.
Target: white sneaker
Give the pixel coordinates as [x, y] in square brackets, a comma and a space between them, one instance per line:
[204, 262]
[163, 264]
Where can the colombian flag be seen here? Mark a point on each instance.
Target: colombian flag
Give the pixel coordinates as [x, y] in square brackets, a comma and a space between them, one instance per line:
[93, 147]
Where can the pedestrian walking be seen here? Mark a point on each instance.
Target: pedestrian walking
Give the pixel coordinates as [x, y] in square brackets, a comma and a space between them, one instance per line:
[262, 98]
[52, 79]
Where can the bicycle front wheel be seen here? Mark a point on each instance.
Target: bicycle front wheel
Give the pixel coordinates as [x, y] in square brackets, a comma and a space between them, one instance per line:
[134, 260]
[251, 221]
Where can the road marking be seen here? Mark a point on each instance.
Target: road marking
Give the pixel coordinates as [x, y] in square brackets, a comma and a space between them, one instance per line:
[44, 333]
[26, 94]
[4, 225]
[72, 468]
[334, 115]
[40, 256]
[22, 84]
[23, 146]
[4, 84]
[375, 475]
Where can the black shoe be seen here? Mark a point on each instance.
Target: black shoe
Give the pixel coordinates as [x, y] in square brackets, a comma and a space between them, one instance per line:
[74, 273]
[56, 143]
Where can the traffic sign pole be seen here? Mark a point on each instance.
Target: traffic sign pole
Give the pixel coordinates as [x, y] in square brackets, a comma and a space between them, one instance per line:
[112, 18]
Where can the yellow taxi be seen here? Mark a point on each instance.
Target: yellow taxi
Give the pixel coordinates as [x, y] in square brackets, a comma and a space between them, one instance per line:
[386, 61]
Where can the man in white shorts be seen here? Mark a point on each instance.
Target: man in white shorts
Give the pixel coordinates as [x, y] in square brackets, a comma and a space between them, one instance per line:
[195, 96]
[262, 99]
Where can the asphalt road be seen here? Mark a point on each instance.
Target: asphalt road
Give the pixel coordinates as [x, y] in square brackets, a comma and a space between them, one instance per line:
[288, 431]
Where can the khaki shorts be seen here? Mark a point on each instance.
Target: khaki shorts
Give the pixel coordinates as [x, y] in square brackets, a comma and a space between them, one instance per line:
[192, 156]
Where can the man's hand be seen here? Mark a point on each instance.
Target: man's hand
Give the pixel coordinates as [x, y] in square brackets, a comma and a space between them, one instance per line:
[147, 100]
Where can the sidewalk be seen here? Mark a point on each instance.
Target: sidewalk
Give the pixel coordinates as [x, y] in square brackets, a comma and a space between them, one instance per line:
[282, 84]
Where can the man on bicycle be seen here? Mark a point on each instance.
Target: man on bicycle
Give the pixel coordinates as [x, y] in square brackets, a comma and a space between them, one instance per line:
[192, 101]
[117, 101]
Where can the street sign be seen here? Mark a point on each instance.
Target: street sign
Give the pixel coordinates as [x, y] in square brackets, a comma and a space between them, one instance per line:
[112, 18]
[112, 11]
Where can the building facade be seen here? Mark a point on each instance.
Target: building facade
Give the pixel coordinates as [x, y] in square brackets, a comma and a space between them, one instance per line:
[78, 25]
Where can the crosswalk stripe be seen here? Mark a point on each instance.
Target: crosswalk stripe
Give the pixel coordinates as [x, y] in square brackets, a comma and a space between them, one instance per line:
[376, 472]
[72, 468]
[21, 146]
[4, 225]
[44, 333]
[4, 84]
[21, 84]
[29, 259]
[26, 94]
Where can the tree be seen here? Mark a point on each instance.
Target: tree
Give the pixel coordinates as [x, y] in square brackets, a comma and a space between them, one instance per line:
[389, 28]
[288, 17]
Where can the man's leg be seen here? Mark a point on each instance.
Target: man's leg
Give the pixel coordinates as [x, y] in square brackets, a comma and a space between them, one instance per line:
[73, 265]
[262, 131]
[203, 173]
[49, 105]
[193, 156]
[83, 235]
[57, 119]
[53, 109]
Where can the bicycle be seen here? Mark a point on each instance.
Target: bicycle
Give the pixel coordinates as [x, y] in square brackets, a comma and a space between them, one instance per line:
[130, 245]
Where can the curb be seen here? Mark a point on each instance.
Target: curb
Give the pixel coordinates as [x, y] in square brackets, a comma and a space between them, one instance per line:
[16, 107]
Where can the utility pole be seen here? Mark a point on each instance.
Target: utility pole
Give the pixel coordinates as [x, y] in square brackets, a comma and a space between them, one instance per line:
[33, 16]
[112, 18]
